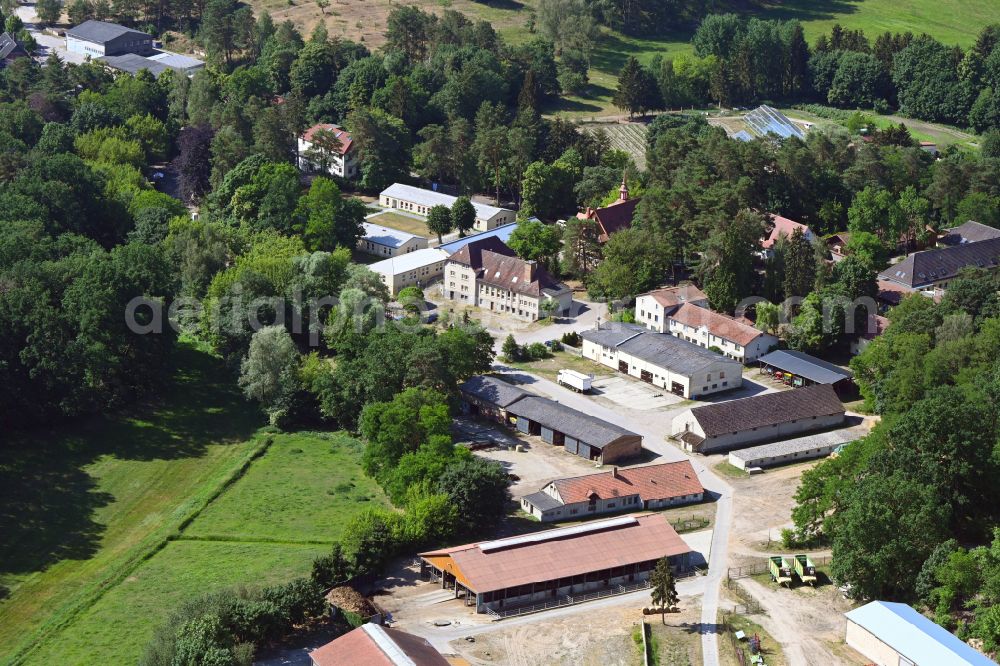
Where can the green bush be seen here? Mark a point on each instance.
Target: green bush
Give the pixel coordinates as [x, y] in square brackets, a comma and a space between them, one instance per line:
[537, 351]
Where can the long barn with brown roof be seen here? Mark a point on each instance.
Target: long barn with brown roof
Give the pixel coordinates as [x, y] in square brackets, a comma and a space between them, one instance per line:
[766, 417]
[554, 564]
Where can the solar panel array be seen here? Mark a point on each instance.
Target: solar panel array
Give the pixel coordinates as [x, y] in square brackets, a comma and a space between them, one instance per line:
[764, 120]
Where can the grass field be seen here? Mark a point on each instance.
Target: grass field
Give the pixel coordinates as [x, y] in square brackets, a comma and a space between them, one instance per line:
[411, 225]
[107, 526]
[303, 489]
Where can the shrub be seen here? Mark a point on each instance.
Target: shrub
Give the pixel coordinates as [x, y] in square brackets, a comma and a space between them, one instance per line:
[572, 339]
[537, 351]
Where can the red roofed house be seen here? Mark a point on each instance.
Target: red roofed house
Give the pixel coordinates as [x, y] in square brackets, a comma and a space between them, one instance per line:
[783, 227]
[615, 217]
[329, 148]
[735, 339]
[374, 645]
[648, 487]
[519, 287]
[653, 308]
[613, 554]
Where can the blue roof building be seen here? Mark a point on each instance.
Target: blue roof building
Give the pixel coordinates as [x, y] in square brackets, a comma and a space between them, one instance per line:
[502, 232]
[892, 634]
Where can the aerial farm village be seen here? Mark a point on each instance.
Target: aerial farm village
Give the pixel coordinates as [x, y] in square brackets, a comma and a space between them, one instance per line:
[548, 332]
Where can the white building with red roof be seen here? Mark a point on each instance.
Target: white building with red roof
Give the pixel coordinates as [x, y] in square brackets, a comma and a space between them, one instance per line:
[734, 339]
[374, 645]
[653, 308]
[328, 148]
[620, 489]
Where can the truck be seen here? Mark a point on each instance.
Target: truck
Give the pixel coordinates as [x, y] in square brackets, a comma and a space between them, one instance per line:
[805, 569]
[781, 570]
[577, 381]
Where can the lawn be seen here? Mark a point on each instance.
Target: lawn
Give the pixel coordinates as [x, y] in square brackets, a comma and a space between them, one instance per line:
[550, 367]
[83, 504]
[304, 489]
[411, 225]
[770, 649]
[116, 629]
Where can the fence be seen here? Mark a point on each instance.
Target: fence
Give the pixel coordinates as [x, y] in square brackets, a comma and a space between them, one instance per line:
[690, 524]
[568, 600]
[647, 645]
[727, 629]
[750, 605]
[756, 568]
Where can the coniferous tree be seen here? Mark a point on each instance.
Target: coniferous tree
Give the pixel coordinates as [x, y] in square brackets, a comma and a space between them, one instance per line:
[664, 588]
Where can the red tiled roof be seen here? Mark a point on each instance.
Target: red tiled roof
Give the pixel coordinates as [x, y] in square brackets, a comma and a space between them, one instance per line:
[875, 326]
[652, 482]
[471, 254]
[718, 325]
[783, 227]
[361, 646]
[511, 273]
[554, 554]
[338, 131]
[674, 296]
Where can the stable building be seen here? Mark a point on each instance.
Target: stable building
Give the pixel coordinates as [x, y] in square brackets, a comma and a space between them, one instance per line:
[582, 434]
[387, 242]
[894, 634]
[612, 554]
[413, 269]
[375, 645]
[621, 489]
[98, 38]
[706, 328]
[799, 369]
[489, 397]
[769, 416]
[420, 201]
[678, 366]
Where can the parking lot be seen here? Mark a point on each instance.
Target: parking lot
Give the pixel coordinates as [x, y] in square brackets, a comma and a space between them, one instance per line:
[627, 392]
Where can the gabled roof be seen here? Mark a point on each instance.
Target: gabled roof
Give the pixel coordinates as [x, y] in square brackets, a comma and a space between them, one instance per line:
[471, 254]
[542, 501]
[922, 269]
[9, 47]
[767, 409]
[492, 390]
[557, 416]
[783, 227]
[670, 297]
[418, 195]
[765, 120]
[661, 349]
[511, 273]
[970, 232]
[374, 645]
[804, 365]
[409, 261]
[617, 216]
[343, 135]
[650, 482]
[133, 63]
[101, 32]
[562, 552]
[176, 60]
[717, 324]
[376, 233]
[914, 636]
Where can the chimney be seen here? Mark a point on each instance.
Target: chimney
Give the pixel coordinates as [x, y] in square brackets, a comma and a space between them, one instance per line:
[529, 271]
[614, 472]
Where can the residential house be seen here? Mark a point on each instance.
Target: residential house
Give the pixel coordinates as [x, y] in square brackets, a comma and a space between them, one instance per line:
[612, 219]
[734, 339]
[520, 288]
[620, 489]
[386, 242]
[782, 226]
[340, 161]
[413, 269]
[10, 49]
[98, 38]
[464, 269]
[375, 645]
[615, 554]
[420, 201]
[653, 308]
[894, 634]
[765, 417]
[932, 270]
[678, 366]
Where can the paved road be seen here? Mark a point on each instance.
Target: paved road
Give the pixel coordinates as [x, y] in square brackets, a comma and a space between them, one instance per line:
[583, 317]
[46, 43]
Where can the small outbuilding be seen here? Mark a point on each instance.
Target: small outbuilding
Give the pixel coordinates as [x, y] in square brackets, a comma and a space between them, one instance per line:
[798, 369]
[894, 634]
[490, 397]
[761, 418]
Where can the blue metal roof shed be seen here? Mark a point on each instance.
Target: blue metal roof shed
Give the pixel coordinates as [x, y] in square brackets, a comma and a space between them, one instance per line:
[816, 370]
[914, 637]
[503, 232]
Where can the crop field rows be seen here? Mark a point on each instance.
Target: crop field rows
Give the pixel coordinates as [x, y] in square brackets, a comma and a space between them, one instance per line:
[628, 137]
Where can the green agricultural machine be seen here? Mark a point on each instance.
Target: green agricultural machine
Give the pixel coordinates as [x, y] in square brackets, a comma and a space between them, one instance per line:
[781, 570]
[805, 569]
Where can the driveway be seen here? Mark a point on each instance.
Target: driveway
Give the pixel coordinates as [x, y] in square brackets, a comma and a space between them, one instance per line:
[46, 43]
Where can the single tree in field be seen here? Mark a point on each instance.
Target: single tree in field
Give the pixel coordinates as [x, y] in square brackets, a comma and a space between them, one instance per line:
[439, 221]
[664, 588]
[463, 215]
[511, 351]
[322, 4]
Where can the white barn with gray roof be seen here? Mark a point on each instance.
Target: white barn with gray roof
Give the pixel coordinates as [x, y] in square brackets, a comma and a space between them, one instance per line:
[420, 201]
[678, 366]
[387, 242]
[99, 38]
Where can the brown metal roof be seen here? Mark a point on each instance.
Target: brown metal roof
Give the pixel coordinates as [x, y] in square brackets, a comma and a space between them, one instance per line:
[373, 645]
[471, 254]
[651, 482]
[517, 275]
[606, 543]
[717, 324]
[768, 409]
